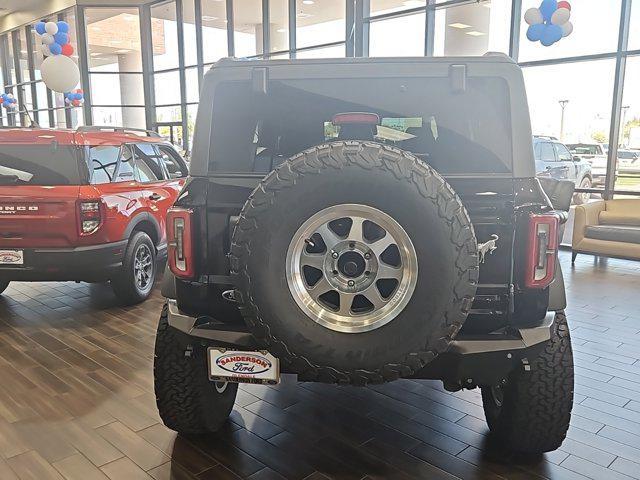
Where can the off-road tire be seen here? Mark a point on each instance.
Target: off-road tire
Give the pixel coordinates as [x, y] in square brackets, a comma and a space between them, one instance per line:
[380, 163]
[124, 284]
[187, 401]
[3, 285]
[536, 407]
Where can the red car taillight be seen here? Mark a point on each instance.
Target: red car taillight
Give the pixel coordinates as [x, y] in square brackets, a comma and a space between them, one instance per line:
[180, 242]
[90, 216]
[542, 250]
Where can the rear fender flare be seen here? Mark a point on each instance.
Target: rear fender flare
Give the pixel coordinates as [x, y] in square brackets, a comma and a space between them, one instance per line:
[137, 220]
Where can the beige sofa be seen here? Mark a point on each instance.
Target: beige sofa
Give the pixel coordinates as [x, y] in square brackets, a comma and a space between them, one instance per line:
[608, 228]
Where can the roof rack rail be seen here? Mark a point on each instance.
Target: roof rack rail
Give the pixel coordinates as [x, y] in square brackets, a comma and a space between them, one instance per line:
[546, 137]
[100, 128]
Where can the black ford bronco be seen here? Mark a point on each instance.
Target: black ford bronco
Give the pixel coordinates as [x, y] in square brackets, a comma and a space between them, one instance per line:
[356, 221]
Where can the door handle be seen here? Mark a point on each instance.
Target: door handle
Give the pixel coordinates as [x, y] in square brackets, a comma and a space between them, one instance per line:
[154, 196]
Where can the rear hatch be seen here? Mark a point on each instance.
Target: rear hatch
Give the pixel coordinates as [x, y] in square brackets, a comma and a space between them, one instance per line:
[39, 185]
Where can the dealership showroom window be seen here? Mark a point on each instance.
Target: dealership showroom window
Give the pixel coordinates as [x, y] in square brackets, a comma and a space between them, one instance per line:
[312, 239]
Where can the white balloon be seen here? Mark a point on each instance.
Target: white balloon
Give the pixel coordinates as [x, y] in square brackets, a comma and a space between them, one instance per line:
[44, 48]
[51, 28]
[9, 95]
[47, 39]
[561, 16]
[567, 29]
[60, 73]
[533, 16]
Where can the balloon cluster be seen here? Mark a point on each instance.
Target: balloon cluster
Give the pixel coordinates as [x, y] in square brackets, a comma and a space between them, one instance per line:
[75, 98]
[549, 23]
[59, 72]
[8, 101]
[55, 38]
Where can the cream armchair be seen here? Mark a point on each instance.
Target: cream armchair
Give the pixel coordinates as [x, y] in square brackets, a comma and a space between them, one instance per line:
[608, 228]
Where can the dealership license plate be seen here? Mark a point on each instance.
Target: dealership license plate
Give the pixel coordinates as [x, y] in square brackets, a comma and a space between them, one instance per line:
[11, 257]
[243, 367]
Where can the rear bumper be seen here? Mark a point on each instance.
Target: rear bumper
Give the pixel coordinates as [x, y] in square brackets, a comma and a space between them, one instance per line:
[91, 263]
[480, 360]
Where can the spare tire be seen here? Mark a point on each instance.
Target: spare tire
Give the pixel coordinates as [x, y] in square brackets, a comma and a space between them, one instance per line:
[354, 263]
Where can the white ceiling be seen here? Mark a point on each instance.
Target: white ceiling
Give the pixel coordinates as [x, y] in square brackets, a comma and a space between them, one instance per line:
[10, 6]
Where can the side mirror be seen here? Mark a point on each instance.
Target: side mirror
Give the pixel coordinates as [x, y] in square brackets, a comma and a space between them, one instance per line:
[576, 158]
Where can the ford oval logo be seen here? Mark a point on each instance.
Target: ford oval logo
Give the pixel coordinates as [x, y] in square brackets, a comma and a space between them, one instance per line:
[246, 364]
[9, 258]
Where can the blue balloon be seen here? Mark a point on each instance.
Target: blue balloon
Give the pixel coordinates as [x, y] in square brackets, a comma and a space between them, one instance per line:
[77, 96]
[63, 27]
[40, 28]
[60, 38]
[534, 33]
[547, 8]
[551, 35]
[55, 48]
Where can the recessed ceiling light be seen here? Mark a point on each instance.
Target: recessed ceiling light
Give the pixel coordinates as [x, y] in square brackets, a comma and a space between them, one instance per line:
[475, 33]
[459, 25]
[122, 51]
[282, 30]
[304, 15]
[308, 2]
[94, 54]
[209, 18]
[413, 3]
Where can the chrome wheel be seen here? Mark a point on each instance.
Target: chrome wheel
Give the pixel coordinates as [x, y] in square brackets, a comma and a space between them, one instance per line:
[143, 268]
[351, 268]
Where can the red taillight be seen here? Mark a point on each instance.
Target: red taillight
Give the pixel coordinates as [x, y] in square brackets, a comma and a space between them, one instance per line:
[180, 243]
[542, 250]
[90, 216]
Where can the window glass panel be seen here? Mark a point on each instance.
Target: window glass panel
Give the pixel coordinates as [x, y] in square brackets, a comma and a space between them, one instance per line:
[192, 111]
[147, 163]
[117, 89]
[596, 27]
[473, 29]
[247, 24]
[41, 94]
[119, 116]
[168, 114]
[380, 7]
[77, 117]
[279, 25]
[125, 167]
[545, 152]
[335, 51]
[37, 54]
[189, 33]
[628, 161]
[172, 164]
[437, 124]
[214, 31]
[23, 55]
[38, 164]
[320, 22]
[193, 87]
[113, 39]
[9, 54]
[586, 118]
[167, 87]
[164, 35]
[102, 160]
[634, 30]
[402, 36]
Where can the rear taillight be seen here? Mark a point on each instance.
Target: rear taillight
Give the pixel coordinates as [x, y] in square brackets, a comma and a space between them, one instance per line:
[180, 242]
[90, 216]
[542, 250]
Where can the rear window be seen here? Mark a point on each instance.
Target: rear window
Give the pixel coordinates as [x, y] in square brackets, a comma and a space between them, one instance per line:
[467, 132]
[584, 149]
[51, 164]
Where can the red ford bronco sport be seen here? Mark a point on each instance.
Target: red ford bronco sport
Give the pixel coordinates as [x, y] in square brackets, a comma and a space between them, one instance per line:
[86, 205]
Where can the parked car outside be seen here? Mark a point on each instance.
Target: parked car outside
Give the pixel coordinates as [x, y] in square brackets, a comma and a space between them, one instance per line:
[554, 160]
[596, 155]
[629, 162]
[86, 205]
